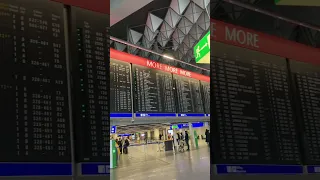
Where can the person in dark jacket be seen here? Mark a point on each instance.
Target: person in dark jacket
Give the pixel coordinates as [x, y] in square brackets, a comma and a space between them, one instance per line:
[178, 138]
[207, 136]
[120, 145]
[186, 138]
[125, 146]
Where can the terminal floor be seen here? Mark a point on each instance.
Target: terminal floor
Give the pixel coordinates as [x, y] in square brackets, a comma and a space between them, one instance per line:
[144, 163]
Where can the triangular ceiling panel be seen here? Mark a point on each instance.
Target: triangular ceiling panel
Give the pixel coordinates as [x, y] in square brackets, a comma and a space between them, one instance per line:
[149, 34]
[204, 21]
[175, 44]
[134, 50]
[134, 36]
[162, 40]
[193, 12]
[119, 46]
[146, 43]
[166, 30]
[196, 32]
[153, 22]
[178, 35]
[200, 3]
[179, 5]
[189, 41]
[185, 25]
[172, 18]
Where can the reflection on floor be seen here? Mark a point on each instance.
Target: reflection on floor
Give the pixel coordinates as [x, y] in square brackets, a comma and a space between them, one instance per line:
[147, 162]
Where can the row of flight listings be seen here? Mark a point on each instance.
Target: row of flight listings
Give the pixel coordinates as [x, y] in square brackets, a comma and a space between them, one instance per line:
[34, 94]
[153, 93]
[265, 110]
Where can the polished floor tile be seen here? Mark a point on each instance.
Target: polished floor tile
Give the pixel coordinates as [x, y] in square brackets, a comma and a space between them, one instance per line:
[144, 163]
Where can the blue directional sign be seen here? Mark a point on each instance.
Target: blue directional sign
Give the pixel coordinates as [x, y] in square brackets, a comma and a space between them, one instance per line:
[113, 130]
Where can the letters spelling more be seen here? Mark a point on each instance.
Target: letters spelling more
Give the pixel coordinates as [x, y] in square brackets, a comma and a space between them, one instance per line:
[242, 37]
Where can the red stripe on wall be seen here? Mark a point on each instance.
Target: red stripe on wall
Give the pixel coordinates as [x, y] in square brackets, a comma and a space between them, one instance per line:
[122, 56]
[250, 39]
[102, 6]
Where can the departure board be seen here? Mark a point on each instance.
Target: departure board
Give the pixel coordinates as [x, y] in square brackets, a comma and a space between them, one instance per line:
[120, 87]
[252, 108]
[153, 90]
[205, 93]
[91, 85]
[307, 80]
[189, 98]
[33, 83]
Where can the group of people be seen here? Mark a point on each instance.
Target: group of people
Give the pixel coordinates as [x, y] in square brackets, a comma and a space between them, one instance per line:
[180, 138]
[123, 145]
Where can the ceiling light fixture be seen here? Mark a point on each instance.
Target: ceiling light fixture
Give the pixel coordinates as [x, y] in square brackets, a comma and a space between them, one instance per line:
[168, 57]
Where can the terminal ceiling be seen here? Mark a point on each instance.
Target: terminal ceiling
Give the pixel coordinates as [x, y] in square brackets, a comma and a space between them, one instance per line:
[170, 27]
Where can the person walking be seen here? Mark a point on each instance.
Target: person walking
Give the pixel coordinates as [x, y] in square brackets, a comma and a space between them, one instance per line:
[207, 136]
[186, 138]
[120, 145]
[178, 138]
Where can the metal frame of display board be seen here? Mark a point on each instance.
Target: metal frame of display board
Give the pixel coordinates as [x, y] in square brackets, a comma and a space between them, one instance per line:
[88, 170]
[156, 120]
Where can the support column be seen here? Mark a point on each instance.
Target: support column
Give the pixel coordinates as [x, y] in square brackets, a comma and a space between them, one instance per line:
[156, 134]
[193, 137]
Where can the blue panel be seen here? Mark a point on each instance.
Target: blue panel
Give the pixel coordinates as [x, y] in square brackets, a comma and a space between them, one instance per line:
[120, 115]
[208, 115]
[197, 124]
[313, 169]
[258, 169]
[113, 129]
[191, 115]
[155, 115]
[95, 168]
[35, 169]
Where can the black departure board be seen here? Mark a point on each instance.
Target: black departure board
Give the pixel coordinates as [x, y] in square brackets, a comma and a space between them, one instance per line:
[33, 83]
[205, 93]
[188, 92]
[120, 87]
[307, 81]
[153, 90]
[90, 61]
[252, 108]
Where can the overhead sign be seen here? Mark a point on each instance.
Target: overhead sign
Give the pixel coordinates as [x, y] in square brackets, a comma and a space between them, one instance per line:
[122, 56]
[298, 2]
[201, 50]
[113, 129]
[239, 36]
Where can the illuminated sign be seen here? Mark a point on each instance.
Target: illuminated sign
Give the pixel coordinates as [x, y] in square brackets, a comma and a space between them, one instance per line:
[202, 50]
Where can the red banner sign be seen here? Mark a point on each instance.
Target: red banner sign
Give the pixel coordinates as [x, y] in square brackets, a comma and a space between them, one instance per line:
[250, 39]
[102, 6]
[122, 56]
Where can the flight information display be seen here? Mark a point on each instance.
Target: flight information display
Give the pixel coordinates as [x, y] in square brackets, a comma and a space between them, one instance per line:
[189, 98]
[33, 83]
[153, 90]
[120, 87]
[307, 79]
[252, 108]
[90, 33]
[205, 92]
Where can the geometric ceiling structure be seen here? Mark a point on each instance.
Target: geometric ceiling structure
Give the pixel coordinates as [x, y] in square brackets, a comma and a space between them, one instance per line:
[172, 30]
